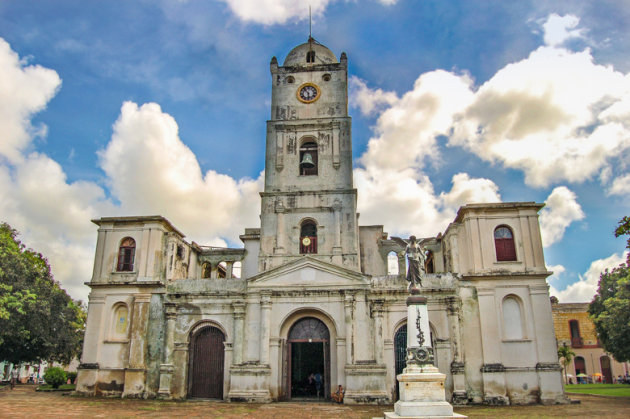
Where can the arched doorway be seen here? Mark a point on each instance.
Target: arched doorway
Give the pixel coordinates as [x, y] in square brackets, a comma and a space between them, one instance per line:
[400, 354]
[580, 368]
[604, 362]
[308, 352]
[206, 355]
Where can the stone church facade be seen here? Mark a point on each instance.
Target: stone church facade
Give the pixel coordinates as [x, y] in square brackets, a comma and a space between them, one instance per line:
[311, 291]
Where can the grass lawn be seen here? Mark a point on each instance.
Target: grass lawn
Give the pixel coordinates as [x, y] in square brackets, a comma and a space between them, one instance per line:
[48, 387]
[621, 390]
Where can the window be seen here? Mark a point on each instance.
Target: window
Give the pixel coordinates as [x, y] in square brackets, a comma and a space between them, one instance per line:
[236, 269]
[429, 266]
[310, 56]
[512, 318]
[308, 159]
[392, 263]
[126, 254]
[326, 77]
[308, 237]
[206, 270]
[290, 79]
[222, 270]
[576, 339]
[504, 244]
[121, 321]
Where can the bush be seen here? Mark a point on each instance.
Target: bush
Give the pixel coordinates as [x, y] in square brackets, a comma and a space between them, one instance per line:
[55, 376]
[72, 376]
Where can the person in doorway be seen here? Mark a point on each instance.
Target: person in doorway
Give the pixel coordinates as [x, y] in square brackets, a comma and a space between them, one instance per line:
[311, 384]
[318, 384]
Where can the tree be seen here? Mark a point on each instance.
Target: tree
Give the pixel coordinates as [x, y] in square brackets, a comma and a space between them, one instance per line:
[566, 354]
[610, 311]
[38, 320]
[623, 229]
[610, 308]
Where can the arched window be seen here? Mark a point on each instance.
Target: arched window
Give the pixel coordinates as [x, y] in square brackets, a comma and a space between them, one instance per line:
[308, 159]
[512, 318]
[120, 321]
[429, 265]
[392, 263]
[310, 56]
[206, 270]
[126, 254]
[308, 237]
[236, 269]
[222, 270]
[504, 244]
[574, 328]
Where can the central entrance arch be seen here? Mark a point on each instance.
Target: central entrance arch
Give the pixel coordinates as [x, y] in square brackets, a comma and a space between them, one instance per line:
[207, 356]
[308, 355]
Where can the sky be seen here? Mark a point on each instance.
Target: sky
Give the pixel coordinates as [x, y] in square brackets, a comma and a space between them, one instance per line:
[158, 107]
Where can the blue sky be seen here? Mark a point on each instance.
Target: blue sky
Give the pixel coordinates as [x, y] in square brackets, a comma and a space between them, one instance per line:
[159, 107]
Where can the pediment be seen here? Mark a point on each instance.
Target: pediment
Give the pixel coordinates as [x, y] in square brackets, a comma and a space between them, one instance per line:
[310, 273]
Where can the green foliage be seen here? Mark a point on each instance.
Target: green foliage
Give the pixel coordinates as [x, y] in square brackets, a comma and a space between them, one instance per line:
[38, 320]
[566, 355]
[610, 311]
[55, 376]
[623, 229]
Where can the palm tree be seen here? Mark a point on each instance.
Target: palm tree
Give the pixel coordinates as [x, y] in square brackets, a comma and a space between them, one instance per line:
[567, 355]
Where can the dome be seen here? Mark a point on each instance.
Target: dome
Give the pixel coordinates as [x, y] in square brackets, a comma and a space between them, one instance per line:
[297, 56]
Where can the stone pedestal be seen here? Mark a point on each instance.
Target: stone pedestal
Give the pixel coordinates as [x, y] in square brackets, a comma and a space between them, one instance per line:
[421, 385]
[422, 395]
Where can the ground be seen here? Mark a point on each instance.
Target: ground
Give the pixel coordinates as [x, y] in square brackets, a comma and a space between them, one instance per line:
[24, 401]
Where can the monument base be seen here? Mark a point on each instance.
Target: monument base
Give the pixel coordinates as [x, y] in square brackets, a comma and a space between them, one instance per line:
[422, 394]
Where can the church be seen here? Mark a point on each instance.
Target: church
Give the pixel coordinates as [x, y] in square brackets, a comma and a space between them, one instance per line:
[311, 300]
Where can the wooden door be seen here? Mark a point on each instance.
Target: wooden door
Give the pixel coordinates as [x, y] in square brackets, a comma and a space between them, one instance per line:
[604, 361]
[207, 355]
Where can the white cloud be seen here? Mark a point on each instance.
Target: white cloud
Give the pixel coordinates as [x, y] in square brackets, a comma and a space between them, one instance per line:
[559, 29]
[406, 131]
[620, 186]
[151, 171]
[530, 116]
[148, 167]
[560, 211]
[270, 12]
[470, 191]
[24, 91]
[369, 100]
[584, 289]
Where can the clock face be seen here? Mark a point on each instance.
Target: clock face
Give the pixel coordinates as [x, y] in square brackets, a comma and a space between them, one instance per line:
[308, 93]
[306, 241]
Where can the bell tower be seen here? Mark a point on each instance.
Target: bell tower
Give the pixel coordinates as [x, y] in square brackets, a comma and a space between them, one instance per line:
[309, 201]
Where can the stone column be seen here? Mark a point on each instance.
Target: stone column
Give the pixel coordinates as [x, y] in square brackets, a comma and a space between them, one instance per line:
[265, 326]
[88, 369]
[377, 315]
[135, 374]
[348, 305]
[239, 321]
[166, 368]
[280, 228]
[337, 258]
[457, 366]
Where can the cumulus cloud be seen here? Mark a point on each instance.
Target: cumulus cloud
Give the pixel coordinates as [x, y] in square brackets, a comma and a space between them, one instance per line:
[24, 91]
[584, 289]
[147, 166]
[620, 186]
[369, 101]
[470, 191]
[151, 171]
[270, 12]
[405, 132]
[560, 211]
[559, 29]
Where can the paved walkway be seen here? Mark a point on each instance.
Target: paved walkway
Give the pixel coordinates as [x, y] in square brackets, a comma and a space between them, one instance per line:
[24, 401]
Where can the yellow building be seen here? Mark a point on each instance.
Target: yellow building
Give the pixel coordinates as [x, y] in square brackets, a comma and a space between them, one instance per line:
[575, 329]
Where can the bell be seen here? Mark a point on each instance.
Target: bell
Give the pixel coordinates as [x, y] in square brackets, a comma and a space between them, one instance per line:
[307, 161]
